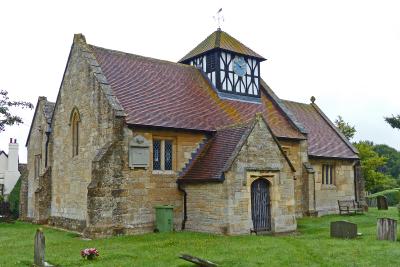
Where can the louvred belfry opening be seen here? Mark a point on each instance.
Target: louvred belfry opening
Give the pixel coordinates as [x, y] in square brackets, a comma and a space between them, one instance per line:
[232, 67]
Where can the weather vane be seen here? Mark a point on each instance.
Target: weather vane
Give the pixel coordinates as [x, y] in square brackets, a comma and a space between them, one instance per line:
[219, 18]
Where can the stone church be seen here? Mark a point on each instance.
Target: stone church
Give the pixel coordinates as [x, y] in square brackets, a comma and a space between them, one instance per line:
[206, 135]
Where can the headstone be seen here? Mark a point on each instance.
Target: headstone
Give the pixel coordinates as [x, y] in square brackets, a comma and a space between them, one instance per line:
[39, 248]
[382, 203]
[197, 261]
[386, 229]
[343, 229]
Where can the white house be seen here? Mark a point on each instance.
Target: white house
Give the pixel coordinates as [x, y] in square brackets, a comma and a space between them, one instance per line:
[9, 173]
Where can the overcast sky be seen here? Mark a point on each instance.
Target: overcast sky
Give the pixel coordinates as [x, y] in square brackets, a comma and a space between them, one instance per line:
[345, 53]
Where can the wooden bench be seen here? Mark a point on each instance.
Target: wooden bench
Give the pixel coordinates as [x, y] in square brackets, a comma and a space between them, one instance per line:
[349, 207]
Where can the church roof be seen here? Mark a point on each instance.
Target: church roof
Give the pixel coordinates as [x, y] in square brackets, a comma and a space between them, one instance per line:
[48, 109]
[211, 161]
[324, 139]
[159, 93]
[218, 154]
[222, 40]
[165, 94]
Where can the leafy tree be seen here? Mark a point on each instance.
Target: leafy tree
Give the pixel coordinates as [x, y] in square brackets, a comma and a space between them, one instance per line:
[346, 129]
[370, 163]
[6, 118]
[394, 121]
[392, 166]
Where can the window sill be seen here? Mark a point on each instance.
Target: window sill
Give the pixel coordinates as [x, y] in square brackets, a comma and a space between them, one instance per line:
[162, 172]
[328, 187]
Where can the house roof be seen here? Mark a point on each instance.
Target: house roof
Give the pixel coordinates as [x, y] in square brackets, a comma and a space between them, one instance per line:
[159, 93]
[324, 140]
[2, 152]
[222, 40]
[218, 154]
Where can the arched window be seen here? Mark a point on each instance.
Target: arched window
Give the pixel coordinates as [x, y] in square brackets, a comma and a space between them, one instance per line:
[75, 121]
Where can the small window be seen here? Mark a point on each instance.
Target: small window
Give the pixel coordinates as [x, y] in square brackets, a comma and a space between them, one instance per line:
[327, 174]
[162, 154]
[156, 154]
[75, 121]
[38, 159]
[1, 189]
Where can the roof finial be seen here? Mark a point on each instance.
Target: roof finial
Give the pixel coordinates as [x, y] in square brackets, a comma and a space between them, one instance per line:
[219, 18]
[312, 99]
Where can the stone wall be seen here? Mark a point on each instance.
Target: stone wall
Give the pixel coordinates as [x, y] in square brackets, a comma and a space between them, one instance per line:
[326, 196]
[36, 148]
[207, 208]
[121, 198]
[296, 150]
[43, 197]
[71, 174]
[226, 207]
[23, 194]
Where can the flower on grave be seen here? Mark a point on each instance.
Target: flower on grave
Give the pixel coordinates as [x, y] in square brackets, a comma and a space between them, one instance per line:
[89, 253]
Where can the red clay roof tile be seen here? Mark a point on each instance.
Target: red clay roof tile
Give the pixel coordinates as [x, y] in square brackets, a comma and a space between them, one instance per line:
[166, 94]
[323, 140]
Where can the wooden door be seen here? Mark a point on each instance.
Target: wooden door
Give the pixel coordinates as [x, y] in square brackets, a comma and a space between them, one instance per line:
[260, 205]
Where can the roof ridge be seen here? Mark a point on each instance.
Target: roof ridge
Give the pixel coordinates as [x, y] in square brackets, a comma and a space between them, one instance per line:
[295, 102]
[218, 38]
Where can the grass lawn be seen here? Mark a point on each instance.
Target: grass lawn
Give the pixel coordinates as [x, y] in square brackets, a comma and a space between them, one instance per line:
[311, 246]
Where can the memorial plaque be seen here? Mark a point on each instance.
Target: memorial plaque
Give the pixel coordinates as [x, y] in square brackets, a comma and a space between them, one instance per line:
[139, 152]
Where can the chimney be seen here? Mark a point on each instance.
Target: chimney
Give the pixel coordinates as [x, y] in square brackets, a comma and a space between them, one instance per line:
[13, 156]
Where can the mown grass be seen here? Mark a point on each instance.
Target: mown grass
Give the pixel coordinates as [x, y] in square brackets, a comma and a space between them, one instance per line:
[310, 246]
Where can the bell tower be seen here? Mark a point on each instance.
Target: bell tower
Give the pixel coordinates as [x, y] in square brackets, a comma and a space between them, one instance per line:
[232, 67]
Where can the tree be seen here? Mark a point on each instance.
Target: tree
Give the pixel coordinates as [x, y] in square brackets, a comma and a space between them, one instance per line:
[371, 162]
[392, 166]
[6, 118]
[394, 121]
[347, 130]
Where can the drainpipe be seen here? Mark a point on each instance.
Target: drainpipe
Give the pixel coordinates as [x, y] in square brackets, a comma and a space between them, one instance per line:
[180, 188]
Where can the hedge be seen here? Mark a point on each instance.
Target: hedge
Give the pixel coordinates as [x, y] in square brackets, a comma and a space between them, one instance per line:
[13, 198]
[392, 195]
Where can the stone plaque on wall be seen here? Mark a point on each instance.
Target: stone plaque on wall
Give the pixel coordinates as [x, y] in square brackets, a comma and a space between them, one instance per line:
[139, 152]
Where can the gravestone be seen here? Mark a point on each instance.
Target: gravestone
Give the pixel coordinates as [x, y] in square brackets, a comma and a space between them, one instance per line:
[386, 229]
[343, 229]
[39, 248]
[382, 203]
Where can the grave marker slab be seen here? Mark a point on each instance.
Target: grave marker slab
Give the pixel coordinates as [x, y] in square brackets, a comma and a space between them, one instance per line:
[39, 248]
[343, 229]
[382, 203]
[386, 229]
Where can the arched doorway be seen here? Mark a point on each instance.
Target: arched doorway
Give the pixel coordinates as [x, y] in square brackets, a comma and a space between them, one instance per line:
[260, 205]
